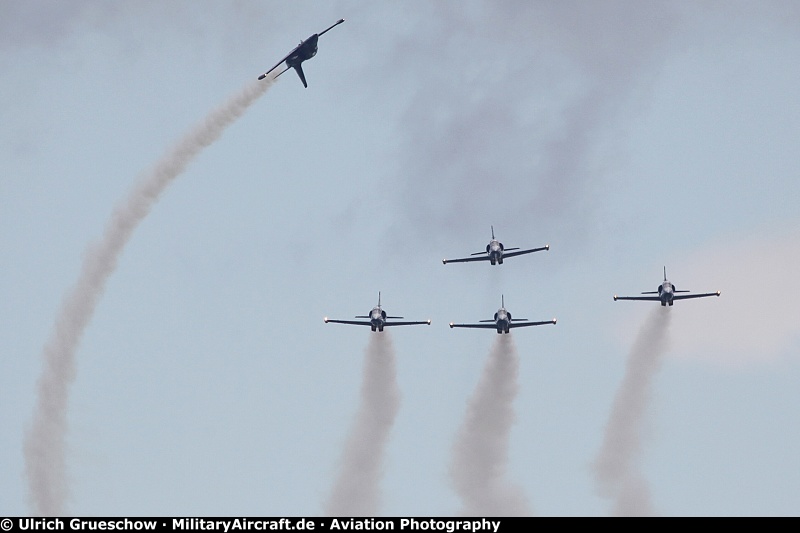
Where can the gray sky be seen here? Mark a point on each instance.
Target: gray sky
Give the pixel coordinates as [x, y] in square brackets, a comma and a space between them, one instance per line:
[626, 137]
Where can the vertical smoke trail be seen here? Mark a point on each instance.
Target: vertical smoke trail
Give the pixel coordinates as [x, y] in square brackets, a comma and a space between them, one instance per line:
[616, 466]
[480, 453]
[356, 491]
[44, 441]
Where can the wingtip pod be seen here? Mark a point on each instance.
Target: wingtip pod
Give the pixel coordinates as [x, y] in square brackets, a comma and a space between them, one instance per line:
[444, 261]
[325, 320]
[547, 247]
[615, 297]
[554, 321]
[262, 76]
[451, 325]
[429, 321]
[719, 292]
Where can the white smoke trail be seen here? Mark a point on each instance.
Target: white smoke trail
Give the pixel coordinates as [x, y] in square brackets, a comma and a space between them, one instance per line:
[44, 441]
[480, 454]
[356, 491]
[617, 463]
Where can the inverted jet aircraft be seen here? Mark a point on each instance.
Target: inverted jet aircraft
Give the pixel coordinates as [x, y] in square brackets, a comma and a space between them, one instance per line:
[667, 293]
[502, 321]
[377, 319]
[495, 253]
[305, 50]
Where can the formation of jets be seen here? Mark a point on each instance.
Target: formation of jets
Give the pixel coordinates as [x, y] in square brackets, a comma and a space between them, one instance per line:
[495, 252]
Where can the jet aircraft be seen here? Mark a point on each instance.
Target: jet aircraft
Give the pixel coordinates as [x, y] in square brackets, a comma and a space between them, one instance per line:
[667, 293]
[377, 319]
[294, 59]
[502, 321]
[495, 253]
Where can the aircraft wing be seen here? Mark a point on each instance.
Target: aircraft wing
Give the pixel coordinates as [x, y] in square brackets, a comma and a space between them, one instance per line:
[351, 322]
[521, 252]
[687, 296]
[428, 322]
[466, 259]
[492, 325]
[523, 324]
[649, 298]
[277, 65]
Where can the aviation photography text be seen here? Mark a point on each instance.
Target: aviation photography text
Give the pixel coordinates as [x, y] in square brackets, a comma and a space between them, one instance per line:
[226, 525]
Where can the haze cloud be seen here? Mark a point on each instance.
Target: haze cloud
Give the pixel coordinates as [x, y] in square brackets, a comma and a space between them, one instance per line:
[485, 134]
[756, 318]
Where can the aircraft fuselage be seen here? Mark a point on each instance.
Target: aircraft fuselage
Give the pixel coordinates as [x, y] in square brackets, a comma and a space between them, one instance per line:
[378, 318]
[666, 291]
[503, 320]
[495, 252]
[304, 51]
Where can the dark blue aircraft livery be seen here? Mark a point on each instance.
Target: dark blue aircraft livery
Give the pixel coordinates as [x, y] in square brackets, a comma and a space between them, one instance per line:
[502, 321]
[304, 51]
[377, 319]
[666, 293]
[495, 253]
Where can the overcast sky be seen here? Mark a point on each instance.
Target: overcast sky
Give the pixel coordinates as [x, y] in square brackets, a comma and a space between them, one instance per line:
[629, 136]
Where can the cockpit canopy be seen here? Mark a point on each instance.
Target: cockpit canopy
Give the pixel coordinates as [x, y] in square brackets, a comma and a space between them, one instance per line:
[494, 245]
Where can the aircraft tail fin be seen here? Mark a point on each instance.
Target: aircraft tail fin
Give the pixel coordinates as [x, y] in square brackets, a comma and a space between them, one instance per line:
[299, 69]
[665, 273]
[492, 232]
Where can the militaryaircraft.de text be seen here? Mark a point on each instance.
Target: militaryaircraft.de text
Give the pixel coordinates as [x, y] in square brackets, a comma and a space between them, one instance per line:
[495, 253]
[377, 319]
[666, 293]
[502, 321]
[304, 51]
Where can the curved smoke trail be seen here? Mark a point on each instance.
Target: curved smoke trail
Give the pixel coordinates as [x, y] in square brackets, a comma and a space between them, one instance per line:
[44, 441]
[356, 491]
[480, 454]
[616, 467]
